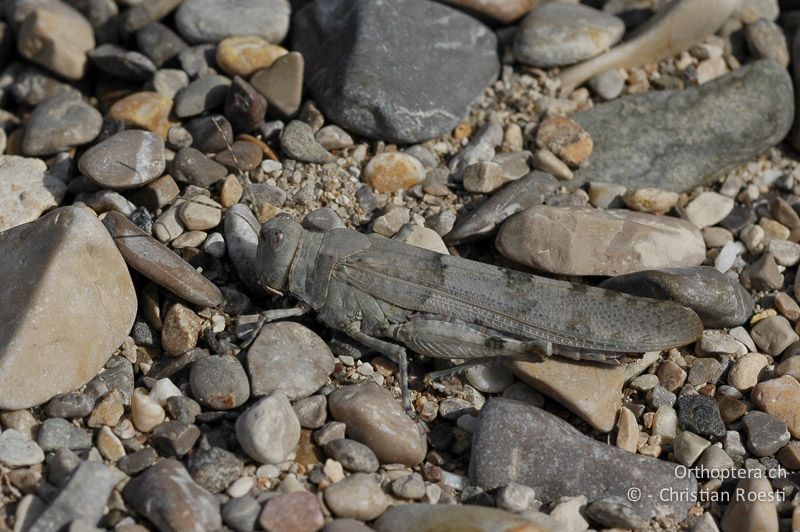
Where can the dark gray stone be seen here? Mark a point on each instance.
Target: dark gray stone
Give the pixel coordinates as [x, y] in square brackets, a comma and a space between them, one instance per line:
[515, 442]
[766, 434]
[700, 414]
[299, 143]
[210, 133]
[60, 123]
[70, 405]
[117, 376]
[211, 21]
[167, 496]
[353, 455]
[204, 93]
[159, 43]
[763, 274]
[616, 512]
[219, 382]
[33, 85]
[241, 514]
[84, 497]
[719, 300]
[433, 63]
[672, 139]
[183, 408]
[56, 432]
[191, 165]
[517, 196]
[122, 63]
[244, 106]
[174, 438]
[214, 468]
[134, 463]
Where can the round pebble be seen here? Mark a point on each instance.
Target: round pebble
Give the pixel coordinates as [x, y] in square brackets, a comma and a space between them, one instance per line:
[219, 382]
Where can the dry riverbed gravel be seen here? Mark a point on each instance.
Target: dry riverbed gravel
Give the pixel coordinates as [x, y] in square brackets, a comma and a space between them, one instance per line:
[143, 143]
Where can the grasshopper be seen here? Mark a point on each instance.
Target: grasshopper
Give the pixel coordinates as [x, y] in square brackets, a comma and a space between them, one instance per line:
[390, 296]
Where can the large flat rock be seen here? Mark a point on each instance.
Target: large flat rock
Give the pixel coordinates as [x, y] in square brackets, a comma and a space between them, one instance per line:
[515, 442]
[675, 140]
[66, 303]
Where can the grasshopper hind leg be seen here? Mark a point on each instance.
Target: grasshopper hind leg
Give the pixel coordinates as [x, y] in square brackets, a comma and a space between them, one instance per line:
[393, 352]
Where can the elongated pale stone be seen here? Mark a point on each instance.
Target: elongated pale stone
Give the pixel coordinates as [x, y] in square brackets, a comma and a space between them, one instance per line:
[671, 31]
[69, 303]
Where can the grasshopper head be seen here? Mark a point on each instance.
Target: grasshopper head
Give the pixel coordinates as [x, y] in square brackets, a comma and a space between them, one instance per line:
[277, 245]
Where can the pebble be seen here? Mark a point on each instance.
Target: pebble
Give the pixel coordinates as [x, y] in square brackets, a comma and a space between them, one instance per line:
[705, 370]
[241, 157]
[502, 10]
[289, 357]
[241, 237]
[393, 171]
[26, 190]
[109, 445]
[292, 511]
[708, 208]
[268, 431]
[625, 131]
[17, 449]
[353, 455]
[82, 499]
[665, 423]
[121, 63]
[148, 110]
[159, 43]
[245, 108]
[55, 36]
[753, 509]
[609, 84]
[520, 443]
[558, 34]
[615, 512]
[773, 335]
[568, 513]
[719, 300]
[282, 84]
[700, 415]
[746, 370]
[70, 405]
[244, 55]
[512, 198]
[214, 468]
[56, 433]
[762, 275]
[652, 200]
[60, 123]
[200, 213]
[766, 40]
[108, 411]
[241, 514]
[202, 94]
[42, 358]
[584, 241]
[333, 137]
[564, 138]
[627, 430]
[211, 133]
[765, 433]
[168, 82]
[780, 398]
[413, 517]
[391, 221]
[358, 496]
[193, 166]
[168, 497]
[344, 42]
[156, 262]
[219, 382]
[174, 438]
[126, 160]
[490, 378]
[410, 487]
[298, 141]
[377, 420]
[180, 331]
[146, 413]
[688, 447]
[311, 411]
[201, 21]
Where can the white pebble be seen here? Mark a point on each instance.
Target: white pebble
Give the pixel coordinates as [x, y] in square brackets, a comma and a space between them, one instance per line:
[240, 487]
[215, 245]
[269, 166]
[727, 256]
[162, 390]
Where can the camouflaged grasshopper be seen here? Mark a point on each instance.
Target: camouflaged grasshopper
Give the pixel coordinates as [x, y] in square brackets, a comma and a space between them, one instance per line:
[380, 291]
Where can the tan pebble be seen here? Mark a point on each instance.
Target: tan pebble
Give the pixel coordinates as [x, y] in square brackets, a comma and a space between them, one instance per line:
[627, 430]
[109, 445]
[200, 213]
[148, 110]
[231, 191]
[781, 398]
[462, 131]
[745, 371]
[180, 330]
[393, 171]
[107, 412]
[243, 55]
[192, 239]
[146, 413]
[566, 139]
[546, 161]
[753, 508]
[266, 211]
[764, 314]
[652, 200]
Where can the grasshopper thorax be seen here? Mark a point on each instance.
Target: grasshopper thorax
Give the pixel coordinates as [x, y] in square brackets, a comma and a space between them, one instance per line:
[277, 245]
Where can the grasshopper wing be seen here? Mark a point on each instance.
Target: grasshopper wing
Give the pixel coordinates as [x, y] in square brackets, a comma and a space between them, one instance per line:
[524, 306]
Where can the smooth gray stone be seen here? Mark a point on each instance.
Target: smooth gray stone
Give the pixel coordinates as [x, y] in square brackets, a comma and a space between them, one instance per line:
[122, 63]
[403, 71]
[676, 140]
[515, 442]
[517, 196]
[84, 497]
[60, 123]
[200, 21]
[719, 300]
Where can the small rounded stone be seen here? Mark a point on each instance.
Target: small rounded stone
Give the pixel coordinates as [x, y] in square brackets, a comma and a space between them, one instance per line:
[219, 382]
